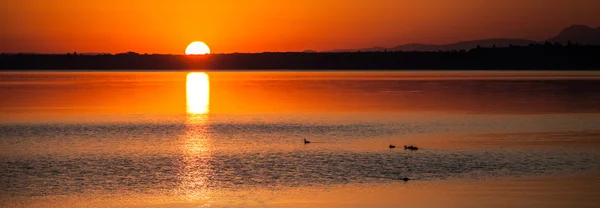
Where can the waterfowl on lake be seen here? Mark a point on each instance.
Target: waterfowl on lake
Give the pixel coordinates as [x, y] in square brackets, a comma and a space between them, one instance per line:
[405, 179]
[410, 147]
[306, 141]
[392, 146]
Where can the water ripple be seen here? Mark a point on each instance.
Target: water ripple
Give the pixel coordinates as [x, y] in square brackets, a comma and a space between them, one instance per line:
[150, 174]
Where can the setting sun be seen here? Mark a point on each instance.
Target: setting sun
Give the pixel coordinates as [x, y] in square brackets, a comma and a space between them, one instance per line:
[197, 48]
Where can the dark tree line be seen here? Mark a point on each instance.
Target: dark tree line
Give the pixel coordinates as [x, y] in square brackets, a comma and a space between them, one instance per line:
[547, 56]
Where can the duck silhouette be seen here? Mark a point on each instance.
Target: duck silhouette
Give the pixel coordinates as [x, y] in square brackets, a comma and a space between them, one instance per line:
[392, 146]
[410, 147]
[306, 141]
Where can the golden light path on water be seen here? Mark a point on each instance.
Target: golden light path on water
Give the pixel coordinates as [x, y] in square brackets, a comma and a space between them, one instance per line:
[197, 93]
[196, 141]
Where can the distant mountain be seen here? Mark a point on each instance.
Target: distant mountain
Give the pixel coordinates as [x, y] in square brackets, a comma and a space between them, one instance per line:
[465, 45]
[575, 33]
[373, 49]
[578, 34]
[417, 47]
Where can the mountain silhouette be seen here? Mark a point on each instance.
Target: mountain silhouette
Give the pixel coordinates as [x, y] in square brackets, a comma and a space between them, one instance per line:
[465, 45]
[578, 34]
[575, 34]
[372, 49]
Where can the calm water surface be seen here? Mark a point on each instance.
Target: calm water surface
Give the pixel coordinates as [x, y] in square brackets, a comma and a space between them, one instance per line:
[235, 139]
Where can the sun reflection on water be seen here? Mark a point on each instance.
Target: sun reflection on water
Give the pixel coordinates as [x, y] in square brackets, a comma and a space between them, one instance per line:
[197, 93]
[196, 147]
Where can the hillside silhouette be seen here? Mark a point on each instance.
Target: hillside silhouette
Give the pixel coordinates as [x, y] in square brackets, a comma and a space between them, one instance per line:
[464, 45]
[547, 56]
[578, 34]
[575, 34]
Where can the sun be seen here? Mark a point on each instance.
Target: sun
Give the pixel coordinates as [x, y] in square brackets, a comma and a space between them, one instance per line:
[197, 48]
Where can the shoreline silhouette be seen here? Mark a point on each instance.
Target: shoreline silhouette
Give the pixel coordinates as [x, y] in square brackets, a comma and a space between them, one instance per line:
[547, 56]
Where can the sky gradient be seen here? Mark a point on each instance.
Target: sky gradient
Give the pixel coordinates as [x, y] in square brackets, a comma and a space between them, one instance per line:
[156, 26]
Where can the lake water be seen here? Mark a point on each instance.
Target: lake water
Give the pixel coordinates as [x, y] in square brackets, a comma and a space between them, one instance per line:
[235, 139]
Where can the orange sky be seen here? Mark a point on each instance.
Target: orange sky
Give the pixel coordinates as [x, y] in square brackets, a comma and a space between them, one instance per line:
[157, 26]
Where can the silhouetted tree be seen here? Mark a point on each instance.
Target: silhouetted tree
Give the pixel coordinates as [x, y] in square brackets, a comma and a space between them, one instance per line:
[533, 56]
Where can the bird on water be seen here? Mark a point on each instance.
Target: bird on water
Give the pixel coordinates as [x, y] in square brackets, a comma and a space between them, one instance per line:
[410, 147]
[306, 141]
[392, 146]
